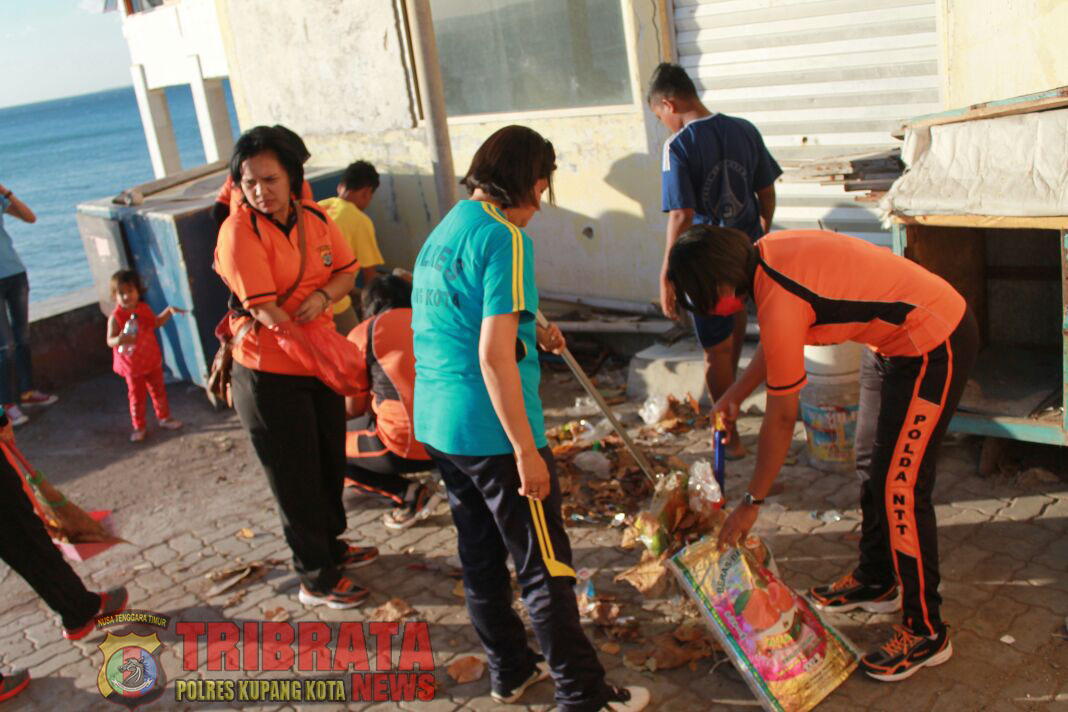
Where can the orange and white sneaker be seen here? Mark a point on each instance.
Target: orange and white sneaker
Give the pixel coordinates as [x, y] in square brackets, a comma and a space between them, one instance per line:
[904, 654]
[344, 594]
[847, 594]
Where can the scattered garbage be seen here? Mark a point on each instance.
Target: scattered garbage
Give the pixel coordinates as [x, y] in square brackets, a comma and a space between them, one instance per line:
[830, 515]
[278, 615]
[393, 611]
[594, 434]
[466, 669]
[584, 405]
[653, 409]
[785, 652]
[1007, 639]
[705, 495]
[244, 574]
[649, 576]
[686, 644]
[245, 533]
[594, 462]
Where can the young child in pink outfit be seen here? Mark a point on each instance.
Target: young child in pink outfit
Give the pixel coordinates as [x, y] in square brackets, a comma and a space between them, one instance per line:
[137, 357]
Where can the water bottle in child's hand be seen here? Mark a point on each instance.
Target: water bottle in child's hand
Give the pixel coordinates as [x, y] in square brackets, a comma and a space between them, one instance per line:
[130, 329]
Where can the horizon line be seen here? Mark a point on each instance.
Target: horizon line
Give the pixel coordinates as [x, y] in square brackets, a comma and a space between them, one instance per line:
[68, 96]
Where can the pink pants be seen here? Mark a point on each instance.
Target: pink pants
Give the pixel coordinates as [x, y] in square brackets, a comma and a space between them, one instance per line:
[136, 386]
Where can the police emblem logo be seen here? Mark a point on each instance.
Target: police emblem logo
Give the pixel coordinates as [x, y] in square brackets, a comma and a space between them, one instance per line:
[131, 675]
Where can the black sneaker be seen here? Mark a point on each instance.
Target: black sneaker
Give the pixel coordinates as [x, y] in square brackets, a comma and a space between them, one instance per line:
[627, 699]
[904, 654]
[847, 594]
[507, 697]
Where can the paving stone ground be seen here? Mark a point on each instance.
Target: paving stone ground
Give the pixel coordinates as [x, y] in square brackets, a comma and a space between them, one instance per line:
[182, 498]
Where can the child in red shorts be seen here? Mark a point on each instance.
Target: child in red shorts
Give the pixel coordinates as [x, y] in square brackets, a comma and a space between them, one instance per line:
[137, 356]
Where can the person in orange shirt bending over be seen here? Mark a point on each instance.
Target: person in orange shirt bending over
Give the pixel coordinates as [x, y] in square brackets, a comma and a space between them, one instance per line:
[817, 287]
[380, 445]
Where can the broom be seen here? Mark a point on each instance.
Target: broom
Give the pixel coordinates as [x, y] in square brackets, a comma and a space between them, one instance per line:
[63, 519]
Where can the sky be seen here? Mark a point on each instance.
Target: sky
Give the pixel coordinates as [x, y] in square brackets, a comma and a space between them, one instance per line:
[57, 48]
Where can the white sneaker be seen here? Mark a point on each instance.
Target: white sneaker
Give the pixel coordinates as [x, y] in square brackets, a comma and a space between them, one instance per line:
[507, 697]
[15, 415]
[628, 699]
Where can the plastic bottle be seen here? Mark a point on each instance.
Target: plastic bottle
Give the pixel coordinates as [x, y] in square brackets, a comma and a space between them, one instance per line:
[129, 328]
[719, 451]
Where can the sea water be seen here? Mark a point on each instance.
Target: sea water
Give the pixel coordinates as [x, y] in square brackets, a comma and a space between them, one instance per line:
[59, 153]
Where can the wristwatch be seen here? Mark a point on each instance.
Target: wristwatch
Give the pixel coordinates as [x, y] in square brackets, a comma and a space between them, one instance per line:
[751, 500]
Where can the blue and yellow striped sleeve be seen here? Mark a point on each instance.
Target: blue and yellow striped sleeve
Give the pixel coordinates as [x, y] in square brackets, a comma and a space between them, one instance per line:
[508, 276]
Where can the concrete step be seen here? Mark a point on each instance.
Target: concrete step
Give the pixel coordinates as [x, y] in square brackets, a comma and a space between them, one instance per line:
[679, 369]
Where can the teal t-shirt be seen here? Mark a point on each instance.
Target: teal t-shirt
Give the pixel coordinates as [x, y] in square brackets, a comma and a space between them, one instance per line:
[474, 265]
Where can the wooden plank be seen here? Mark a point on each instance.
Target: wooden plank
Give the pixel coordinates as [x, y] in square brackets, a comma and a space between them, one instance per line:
[1052, 99]
[1052, 222]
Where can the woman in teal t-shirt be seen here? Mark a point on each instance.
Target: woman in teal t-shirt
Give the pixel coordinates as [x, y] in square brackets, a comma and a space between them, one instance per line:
[478, 413]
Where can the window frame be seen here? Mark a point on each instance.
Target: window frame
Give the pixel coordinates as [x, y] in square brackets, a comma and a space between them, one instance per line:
[636, 104]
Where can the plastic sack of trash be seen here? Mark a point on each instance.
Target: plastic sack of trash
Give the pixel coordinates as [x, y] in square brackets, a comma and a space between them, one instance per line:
[322, 350]
[787, 655]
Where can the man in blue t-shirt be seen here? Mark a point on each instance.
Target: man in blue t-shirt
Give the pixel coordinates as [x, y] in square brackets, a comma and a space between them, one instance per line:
[716, 171]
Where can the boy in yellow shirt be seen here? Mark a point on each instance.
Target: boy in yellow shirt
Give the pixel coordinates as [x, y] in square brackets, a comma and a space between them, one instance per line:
[354, 192]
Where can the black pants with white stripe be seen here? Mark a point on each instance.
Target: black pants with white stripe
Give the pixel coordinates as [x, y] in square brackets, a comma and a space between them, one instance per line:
[492, 521]
[906, 404]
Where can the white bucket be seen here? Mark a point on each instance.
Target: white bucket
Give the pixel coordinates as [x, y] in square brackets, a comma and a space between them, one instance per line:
[829, 405]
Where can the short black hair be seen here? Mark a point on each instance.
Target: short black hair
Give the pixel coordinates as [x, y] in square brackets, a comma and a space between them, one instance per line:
[127, 277]
[706, 256]
[273, 139]
[384, 293]
[296, 141]
[509, 163]
[670, 81]
[359, 175]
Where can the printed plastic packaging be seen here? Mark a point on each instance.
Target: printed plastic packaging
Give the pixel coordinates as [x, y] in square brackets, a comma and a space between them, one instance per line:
[787, 655]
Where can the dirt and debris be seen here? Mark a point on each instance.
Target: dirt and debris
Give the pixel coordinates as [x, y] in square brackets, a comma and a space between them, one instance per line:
[239, 574]
[393, 611]
[467, 669]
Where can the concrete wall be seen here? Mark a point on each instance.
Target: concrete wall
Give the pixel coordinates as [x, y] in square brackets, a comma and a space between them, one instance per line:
[345, 89]
[162, 40]
[67, 340]
[997, 49]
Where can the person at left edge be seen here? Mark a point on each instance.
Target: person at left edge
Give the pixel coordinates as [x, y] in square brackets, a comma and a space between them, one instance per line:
[478, 413]
[295, 422]
[16, 372]
[26, 547]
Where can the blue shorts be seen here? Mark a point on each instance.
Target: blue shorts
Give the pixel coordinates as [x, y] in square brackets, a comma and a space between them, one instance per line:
[712, 330]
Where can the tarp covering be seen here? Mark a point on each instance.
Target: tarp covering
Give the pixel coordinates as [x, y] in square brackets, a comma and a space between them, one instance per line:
[1007, 166]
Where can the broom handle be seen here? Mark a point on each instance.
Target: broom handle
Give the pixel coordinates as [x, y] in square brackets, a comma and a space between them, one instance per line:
[33, 474]
[25, 477]
[576, 369]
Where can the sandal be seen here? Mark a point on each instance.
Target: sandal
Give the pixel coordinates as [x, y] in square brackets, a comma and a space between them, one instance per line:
[419, 507]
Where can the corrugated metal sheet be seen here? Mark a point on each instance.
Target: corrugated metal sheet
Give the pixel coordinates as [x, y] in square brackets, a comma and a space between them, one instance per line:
[818, 78]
